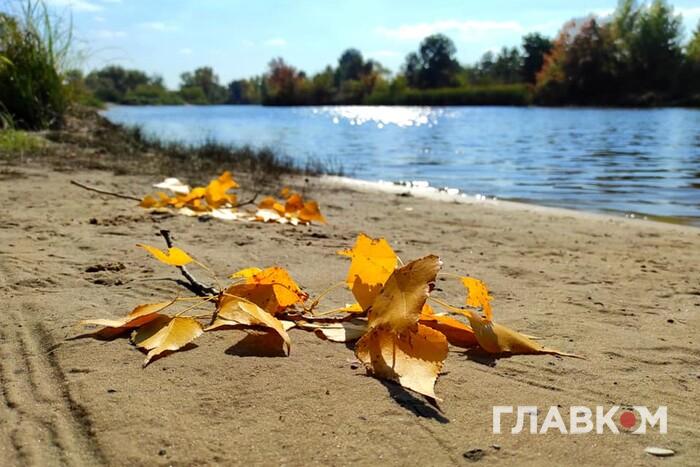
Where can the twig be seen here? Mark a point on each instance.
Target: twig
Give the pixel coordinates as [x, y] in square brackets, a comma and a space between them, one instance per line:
[104, 192]
[195, 286]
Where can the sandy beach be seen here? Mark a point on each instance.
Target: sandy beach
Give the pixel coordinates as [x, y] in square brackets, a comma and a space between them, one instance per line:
[623, 293]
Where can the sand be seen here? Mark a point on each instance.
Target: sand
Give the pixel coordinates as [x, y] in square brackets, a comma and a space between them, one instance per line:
[623, 293]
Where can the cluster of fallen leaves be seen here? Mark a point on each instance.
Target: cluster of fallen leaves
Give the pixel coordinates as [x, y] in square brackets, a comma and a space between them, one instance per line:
[217, 200]
[400, 337]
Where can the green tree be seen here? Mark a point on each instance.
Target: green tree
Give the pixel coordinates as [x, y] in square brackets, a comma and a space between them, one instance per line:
[535, 47]
[434, 65]
[208, 81]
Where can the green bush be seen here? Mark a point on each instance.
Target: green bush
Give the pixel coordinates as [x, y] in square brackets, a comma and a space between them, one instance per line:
[32, 95]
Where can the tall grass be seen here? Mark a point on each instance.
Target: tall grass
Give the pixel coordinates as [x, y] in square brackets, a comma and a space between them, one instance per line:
[34, 46]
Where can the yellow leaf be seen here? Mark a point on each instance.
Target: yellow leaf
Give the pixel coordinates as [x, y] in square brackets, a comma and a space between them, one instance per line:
[413, 358]
[294, 203]
[138, 317]
[373, 261]
[245, 273]
[478, 295]
[167, 334]
[272, 289]
[398, 306]
[174, 256]
[236, 310]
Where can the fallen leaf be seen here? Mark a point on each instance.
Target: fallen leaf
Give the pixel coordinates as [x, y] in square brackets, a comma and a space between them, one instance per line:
[457, 333]
[139, 316]
[174, 185]
[238, 311]
[396, 347]
[373, 261]
[245, 273]
[272, 289]
[400, 301]
[174, 256]
[413, 358]
[166, 334]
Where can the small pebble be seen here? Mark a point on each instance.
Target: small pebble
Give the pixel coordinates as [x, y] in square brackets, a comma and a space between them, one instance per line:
[496, 446]
[659, 452]
[474, 455]
[162, 452]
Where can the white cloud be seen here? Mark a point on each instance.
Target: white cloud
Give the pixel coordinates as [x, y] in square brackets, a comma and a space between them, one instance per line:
[76, 5]
[276, 42]
[99, 19]
[157, 26]
[108, 34]
[185, 51]
[604, 12]
[466, 29]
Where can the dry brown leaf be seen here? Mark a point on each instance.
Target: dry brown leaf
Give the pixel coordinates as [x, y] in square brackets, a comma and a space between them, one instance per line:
[166, 334]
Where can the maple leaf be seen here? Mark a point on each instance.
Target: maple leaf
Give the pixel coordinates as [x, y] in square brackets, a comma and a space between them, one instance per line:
[373, 261]
[238, 311]
[139, 316]
[166, 334]
[272, 289]
[174, 256]
[397, 347]
[495, 338]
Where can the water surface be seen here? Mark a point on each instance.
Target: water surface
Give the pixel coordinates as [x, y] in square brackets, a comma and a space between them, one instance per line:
[643, 162]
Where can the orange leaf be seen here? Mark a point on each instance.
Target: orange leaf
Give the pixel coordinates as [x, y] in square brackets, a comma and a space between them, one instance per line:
[373, 261]
[413, 358]
[311, 212]
[456, 332]
[272, 289]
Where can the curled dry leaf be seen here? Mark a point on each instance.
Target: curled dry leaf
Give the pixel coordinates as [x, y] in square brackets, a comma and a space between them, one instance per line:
[166, 334]
[397, 347]
[238, 311]
[173, 257]
[495, 338]
[272, 289]
[457, 333]
[139, 316]
[478, 295]
[373, 261]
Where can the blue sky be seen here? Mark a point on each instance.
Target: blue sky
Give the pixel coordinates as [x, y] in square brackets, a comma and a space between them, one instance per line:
[238, 38]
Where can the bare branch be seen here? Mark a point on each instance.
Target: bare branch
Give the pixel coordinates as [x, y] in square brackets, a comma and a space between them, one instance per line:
[194, 285]
[104, 192]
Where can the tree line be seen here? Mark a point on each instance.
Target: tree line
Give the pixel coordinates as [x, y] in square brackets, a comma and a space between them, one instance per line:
[636, 56]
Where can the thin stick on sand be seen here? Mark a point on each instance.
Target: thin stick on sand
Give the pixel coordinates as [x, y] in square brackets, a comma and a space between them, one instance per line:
[196, 286]
[104, 192]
